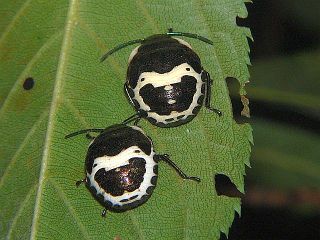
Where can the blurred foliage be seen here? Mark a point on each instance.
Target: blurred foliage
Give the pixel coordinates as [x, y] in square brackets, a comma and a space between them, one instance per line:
[286, 153]
[305, 13]
[286, 156]
[291, 81]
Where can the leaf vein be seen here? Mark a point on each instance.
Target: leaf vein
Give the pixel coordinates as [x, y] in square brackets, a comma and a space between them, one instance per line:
[19, 211]
[27, 68]
[13, 21]
[71, 209]
[22, 145]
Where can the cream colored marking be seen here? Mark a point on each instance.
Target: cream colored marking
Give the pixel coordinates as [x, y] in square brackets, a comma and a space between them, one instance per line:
[166, 79]
[186, 113]
[113, 162]
[183, 42]
[175, 114]
[168, 87]
[133, 53]
[138, 129]
[160, 80]
[171, 101]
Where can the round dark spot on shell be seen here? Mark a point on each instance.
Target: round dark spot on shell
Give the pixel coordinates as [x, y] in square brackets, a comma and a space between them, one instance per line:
[150, 189]
[196, 109]
[154, 180]
[188, 69]
[142, 79]
[124, 200]
[160, 124]
[152, 120]
[144, 198]
[136, 103]
[133, 197]
[137, 151]
[143, 113]
[169, 120]
[203, 88]
[155, 169]
[108, 203]
[200, 99]
[28, 83]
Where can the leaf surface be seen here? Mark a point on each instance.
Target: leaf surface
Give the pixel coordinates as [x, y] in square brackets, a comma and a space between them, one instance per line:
[59, 45]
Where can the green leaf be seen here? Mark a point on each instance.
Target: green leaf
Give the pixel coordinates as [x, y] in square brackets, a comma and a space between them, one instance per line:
[59, 44]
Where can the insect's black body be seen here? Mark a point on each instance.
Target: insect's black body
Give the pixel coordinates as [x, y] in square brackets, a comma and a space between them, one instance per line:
[165, 82]
[122, 167]
[121, 171]
[160, 53]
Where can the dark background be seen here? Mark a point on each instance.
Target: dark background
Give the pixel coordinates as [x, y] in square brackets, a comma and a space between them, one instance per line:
[282, 198]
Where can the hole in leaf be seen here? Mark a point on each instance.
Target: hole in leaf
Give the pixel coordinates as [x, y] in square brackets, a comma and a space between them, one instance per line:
[242, 22]
[240, 104]
[225, 187]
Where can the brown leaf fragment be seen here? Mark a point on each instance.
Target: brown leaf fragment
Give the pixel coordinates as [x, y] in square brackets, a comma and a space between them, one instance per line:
[245, 102]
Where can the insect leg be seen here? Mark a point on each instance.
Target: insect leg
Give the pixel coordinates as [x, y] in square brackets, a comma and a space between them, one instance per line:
[99, 130]
[207, 94]
[137, 116]
[78, 183]
[165, 157]
[104, 213]
[134, 118]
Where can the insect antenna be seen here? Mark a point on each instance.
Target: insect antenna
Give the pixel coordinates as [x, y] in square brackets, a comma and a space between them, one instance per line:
[120, 46]
[189, 35]
[99, 130]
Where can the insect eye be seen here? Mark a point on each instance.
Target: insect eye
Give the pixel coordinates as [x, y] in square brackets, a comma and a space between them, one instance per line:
[188, 69]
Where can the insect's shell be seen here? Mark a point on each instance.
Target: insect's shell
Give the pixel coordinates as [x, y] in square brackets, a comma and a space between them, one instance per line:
[121, 171]
[164, 81]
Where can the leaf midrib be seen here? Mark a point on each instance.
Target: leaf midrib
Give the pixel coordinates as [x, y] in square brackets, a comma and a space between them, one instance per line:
[70, 20]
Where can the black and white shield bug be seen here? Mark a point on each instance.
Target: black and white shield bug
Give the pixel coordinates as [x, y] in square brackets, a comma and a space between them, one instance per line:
[122, 167]
[166, 82]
